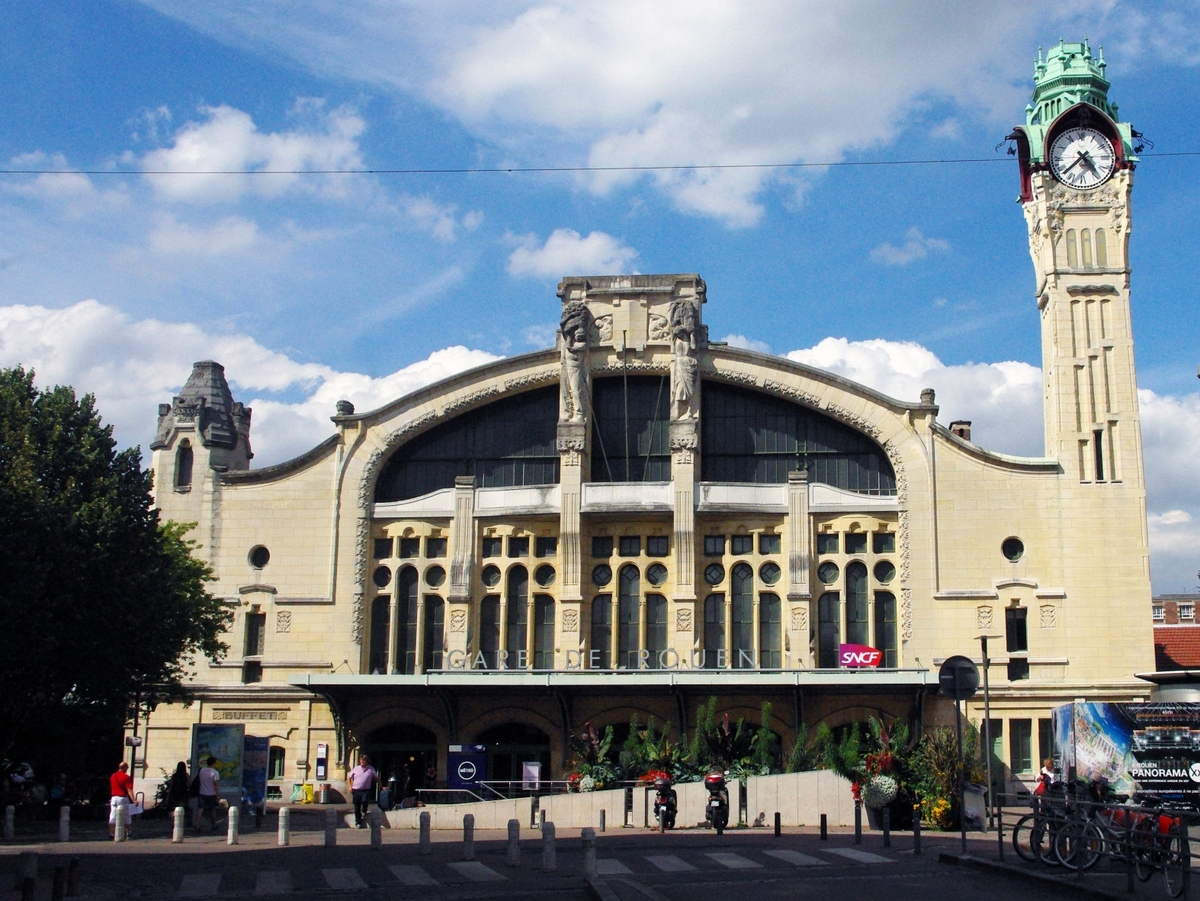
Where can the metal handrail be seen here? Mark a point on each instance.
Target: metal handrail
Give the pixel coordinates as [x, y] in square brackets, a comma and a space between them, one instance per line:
[448, 791]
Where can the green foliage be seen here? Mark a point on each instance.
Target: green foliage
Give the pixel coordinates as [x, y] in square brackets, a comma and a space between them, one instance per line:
[649, 750]
[935, 768]
[591, 756]
[99, 600]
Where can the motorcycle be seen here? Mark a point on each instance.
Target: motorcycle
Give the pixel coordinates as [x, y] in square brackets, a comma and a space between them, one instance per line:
[716, 809]
[665, 804]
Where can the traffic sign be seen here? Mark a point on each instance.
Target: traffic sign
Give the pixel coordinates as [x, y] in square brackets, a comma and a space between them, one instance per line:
[958, 678]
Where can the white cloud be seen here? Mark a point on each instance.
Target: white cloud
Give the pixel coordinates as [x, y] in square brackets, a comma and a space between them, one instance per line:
[747, 343]
[566, 252]
[228, 236]
[917, 247]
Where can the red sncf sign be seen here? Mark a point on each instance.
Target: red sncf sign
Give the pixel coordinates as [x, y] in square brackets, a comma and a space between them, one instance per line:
[855, 655]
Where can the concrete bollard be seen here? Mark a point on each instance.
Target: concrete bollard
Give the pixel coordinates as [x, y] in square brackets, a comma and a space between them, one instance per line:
[662, 819]
[603, 815]
[64, 823]
[73, 877]
[778, 824]
[231, 834]
[824, 828]
[549, 855]
[285, 826]
[887, 827]
[121, 827]
[331, 817]
[59, 886]
[541, 818]
[27, 867]
[375, 823]
[425, 844]
[178, 827]
[514, 843]
[10, 823]
[857, 821]
[917, 830]
[469, 836]
[589, 852]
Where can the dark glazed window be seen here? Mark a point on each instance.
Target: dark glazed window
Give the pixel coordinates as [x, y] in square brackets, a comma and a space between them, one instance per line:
[829, 630]
[275, 761]
[1015, 632]
[602, 574]
[642, 453]
[630, 546]
[714, 574]
[410, 548]
[770, 632]
[656, 629]
[885, 542]
[714, 545]
[768, 544]
[518, 547]
[184, 460]
[546, 547]
[381, 577]
[489, 630]
[885, 626]
[380, 613]
[601, 632]
[252, 671]
[435, 576]
[885, 571]
[714, 631]
[518, 612]
[506, 443]
[1013, 549]
[435, 621]
[769, 572]
[857, 628]
[383, 548]
[406, 633]
[740, 545]
[748, 436]
[656, 574]
[628, 600]
[544, 575]
[493, 547]
[543, 632]
[435, 548]
[259, 557]
[742, 596]
[827, 543]
[856, 542]
[658, 546]
[491, 575]
[602, 546]
[256, 631]
[828, 572]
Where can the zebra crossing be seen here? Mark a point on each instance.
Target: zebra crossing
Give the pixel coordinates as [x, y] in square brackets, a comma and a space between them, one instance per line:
[272, 882]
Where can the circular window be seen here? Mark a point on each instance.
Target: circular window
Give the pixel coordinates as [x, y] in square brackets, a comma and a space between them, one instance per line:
[1013, 549]
[491, 576]
[259, 557]
[602, 574]
[435, 576]
[828, 572]
[885, 571]
[656, 574]
[544, 575]
[769, 573]
[381, 577]
[714, 574]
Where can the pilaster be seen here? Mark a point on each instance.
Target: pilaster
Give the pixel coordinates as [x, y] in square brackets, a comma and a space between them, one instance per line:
[462, 554]
[799, 593]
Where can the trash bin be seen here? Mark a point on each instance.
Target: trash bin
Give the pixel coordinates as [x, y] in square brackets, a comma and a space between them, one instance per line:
[323, 795]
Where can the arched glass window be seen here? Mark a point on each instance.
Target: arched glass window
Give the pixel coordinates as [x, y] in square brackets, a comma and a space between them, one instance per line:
[656, 628]
[741, 594]
[829, 630]
[885, 627]
[184, 459]
[601, 656]
[1085, 248]
[435, 622]
[1072, 252]
[629, 429]
[543, 632]
[628, 602]
[489, 629]
[714, 631]
[770, 632]
[1101, 249]
[275, 762]
[857, 624]
[518, 615]
[406, 637]
[380, 614]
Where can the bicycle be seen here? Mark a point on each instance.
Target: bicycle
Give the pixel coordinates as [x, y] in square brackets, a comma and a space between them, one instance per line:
[1160, 842]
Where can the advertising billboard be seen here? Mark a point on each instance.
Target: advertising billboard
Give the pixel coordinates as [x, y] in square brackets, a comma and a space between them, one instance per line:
[226, 743]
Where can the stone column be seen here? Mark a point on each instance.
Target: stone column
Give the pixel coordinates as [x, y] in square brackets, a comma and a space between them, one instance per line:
[684, 444]
[572, 445]
[462, 557]
[799, 593]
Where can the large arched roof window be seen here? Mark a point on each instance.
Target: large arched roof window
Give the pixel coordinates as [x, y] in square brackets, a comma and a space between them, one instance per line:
[747, 436]
[509, 442]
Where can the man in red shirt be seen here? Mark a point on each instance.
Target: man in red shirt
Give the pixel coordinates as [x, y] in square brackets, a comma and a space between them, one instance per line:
[121, 790]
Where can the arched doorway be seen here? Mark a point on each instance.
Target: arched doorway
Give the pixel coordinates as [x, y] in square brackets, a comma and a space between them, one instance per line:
[405, 754]
[511, 745]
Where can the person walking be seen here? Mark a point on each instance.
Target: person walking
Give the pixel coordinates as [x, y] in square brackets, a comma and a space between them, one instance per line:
[120, 786]
[177, 788]
[362, 779]
[210, 789]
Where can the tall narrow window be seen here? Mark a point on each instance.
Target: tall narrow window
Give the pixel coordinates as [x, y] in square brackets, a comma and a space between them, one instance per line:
[628, 616]
[1101, 249]
[256, 629]
[885, 627]
[543, 632]
[829, 617]
[714, 631]
[275, 762]
[1015, 633]
[1098, 447]
[406, 637]
[656, 629]
[380, 614]
[742, 594]
[770, 630]
[1085, 248]
[489, 630]
[183, 465]
[518, 615]
[1045, 738]
[601, 656]
[435, 621]
[1072, 253]
[1020, 746]
[856, 604]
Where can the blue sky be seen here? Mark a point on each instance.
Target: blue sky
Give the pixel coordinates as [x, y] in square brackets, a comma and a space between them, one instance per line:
[314, 287]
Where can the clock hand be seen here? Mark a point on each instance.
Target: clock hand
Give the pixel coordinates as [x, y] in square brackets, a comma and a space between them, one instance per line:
[1078, 160]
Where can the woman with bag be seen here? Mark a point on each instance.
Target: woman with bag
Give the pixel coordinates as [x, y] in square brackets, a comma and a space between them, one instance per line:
[177, 789]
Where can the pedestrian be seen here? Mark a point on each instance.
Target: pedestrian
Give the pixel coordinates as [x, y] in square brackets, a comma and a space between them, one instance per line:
[362, 779]
[120, 786]
[177, 788]
[210, 789]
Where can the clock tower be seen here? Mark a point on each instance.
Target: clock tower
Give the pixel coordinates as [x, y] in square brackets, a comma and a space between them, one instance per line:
[1077, 161]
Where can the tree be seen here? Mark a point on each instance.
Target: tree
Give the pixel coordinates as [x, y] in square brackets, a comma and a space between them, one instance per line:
[99, 600]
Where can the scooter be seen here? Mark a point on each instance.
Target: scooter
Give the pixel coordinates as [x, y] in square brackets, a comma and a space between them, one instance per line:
[665, 804]
[716, 809]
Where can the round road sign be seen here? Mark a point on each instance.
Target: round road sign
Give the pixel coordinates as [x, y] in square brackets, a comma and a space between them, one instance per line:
[958, 678]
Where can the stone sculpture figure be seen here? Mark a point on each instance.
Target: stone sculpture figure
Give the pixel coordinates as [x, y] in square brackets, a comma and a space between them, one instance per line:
[575, 325]
[685, 328]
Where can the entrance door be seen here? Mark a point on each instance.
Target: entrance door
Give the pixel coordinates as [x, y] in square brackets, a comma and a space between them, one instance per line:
[511, 745]
[406, 755]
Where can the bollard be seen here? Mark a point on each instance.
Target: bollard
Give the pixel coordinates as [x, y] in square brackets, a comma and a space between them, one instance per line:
[179, 825]
[59, 886]
[858, 821]
[10, 821]
[628, 805]
[1000, 828]
[64, 823]
[541, 818]
[468, 836]
[28, 888]
[285, 826]
[121, 827]
[778, 824]
[231, 833]
[73, 877]
[549, 858]
[27, 866]
[602, 816]
[917, 830]
[514, 843]
[589, 852]
[375, 824]
[330, 827]
[662, 819]
[425, 845]
[887, 827]
[824, 828]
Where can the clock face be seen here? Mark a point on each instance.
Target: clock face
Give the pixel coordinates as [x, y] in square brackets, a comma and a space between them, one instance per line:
[1082, 158]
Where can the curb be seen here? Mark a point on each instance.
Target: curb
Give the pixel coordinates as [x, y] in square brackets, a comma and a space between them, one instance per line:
[599, 890]
[1086, 888]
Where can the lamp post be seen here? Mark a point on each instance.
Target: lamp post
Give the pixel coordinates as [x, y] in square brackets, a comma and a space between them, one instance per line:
[987, 724]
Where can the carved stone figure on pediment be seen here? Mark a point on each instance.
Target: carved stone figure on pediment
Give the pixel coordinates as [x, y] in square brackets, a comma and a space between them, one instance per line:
[575, 326]
[660, 327]
[685, 333]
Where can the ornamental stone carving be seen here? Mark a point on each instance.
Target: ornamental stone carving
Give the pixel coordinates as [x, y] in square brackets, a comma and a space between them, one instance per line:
[570, 621]
[575, 326]
[458, 621]
[570, 449]
[906, 623]
[685, 333]
[660, 328]
[1049, 616]
[683, 620]
[800, 618]
[283, 621]
[983, 617]
[684, 448]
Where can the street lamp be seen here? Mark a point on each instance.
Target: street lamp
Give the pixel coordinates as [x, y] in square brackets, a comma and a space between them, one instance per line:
[987, 722]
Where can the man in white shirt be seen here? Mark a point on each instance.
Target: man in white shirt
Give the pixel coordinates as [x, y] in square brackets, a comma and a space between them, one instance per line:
[362, 779]
[210, 790]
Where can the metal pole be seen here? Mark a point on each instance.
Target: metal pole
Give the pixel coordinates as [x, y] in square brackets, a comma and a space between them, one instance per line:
[962, 819]
[987, 730]
[858, 821]
[917, 830]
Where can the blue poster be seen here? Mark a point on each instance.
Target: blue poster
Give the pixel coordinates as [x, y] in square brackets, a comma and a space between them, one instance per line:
[466, 765]
[223, 742]
[254, 768]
